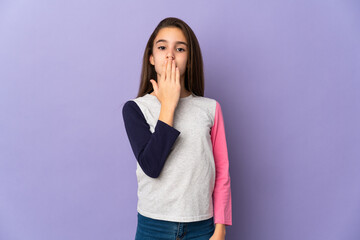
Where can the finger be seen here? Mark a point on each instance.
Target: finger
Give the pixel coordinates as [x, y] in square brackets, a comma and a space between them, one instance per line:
[177, 77]
[168, 70]
[173, 67]
[163, 71]
[155, 86]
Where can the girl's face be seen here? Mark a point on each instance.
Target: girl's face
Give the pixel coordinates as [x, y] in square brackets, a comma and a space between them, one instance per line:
[170, 42]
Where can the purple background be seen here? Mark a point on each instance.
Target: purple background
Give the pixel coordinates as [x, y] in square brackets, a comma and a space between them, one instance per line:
[286, 73]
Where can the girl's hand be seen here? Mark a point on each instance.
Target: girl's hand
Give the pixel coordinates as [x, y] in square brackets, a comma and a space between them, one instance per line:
[168, 87]
[219, 233]
[217, 236]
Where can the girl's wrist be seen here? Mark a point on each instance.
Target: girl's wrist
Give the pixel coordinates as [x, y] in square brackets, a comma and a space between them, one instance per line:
[220, 229]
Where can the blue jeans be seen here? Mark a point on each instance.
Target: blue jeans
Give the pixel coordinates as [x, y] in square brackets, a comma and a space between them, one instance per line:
[154, 229]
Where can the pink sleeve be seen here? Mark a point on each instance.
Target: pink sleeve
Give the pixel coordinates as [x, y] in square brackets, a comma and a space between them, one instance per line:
[222, 191]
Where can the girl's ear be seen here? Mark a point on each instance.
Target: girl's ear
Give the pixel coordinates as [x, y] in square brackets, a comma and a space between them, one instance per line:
[151, 60]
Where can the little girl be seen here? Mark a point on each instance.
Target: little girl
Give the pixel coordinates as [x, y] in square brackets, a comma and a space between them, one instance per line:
[178, 138]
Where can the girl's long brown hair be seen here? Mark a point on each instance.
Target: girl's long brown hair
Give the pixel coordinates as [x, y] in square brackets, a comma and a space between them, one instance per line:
[194, 75]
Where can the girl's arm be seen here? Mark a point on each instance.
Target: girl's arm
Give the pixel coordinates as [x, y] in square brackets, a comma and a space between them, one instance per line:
[150, 149]
[222, 190]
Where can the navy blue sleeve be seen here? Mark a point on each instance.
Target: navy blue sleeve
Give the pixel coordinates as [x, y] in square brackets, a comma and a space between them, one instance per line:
[151, 149]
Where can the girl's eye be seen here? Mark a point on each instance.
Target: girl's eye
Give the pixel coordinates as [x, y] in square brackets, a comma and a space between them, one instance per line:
[162, 48]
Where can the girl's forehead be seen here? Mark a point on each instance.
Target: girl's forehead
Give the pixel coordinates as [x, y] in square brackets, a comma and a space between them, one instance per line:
[170, 34]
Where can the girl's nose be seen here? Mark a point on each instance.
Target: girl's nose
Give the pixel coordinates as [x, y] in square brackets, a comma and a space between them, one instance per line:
[169, 57]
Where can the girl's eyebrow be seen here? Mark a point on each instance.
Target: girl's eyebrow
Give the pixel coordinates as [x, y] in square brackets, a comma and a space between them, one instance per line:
[177, 42]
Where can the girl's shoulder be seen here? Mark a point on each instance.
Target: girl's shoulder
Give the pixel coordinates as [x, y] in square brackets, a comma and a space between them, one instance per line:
[207, 100]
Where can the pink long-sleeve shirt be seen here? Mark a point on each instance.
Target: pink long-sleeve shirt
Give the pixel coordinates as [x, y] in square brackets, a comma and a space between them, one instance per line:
[222, 190]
